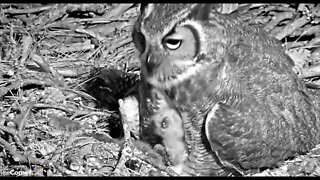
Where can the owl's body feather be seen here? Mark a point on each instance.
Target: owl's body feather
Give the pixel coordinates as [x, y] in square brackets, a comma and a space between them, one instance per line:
[242, 105]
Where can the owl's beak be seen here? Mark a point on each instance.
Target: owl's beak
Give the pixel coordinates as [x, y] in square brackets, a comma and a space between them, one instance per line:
[152, 62]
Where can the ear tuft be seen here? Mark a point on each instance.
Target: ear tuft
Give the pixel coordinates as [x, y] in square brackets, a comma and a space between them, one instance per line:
[146, 9]
[201, 11]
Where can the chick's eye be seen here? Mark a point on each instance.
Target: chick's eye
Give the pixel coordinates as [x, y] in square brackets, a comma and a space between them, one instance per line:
[172, 44]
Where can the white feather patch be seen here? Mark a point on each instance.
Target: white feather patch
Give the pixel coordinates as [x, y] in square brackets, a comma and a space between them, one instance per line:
[211, 114]
[180, 78]
[201, 33]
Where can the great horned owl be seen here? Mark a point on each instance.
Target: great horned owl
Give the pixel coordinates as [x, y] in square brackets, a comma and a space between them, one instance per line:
[241, 103]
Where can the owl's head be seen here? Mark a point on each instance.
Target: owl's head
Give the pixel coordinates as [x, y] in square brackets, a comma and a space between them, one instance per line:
[173, 41]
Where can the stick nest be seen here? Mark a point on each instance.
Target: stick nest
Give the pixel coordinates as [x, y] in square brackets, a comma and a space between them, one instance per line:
[50, 55]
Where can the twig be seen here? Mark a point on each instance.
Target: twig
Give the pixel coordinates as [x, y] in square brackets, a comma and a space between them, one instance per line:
[94, 52]
[17, 157]
[69, 147]
[117, 45]
[58, 107]
[17, 135]
[26, 48]
[83, 46]
[290, 28]
[47, 68]
[20, 119]
[73, 72]
[117, 11]
[306, 31]
[161, 167]
[278, 8]
[311, 71]
[86, 7]
[70, 110]
[26, 10]
[96, 20]
[80, 93]
[55, 12]
[21, 83]
[69, 23]
[67, 171]
[290, 45]
[91, 33]
[277, 19]
[256, 5]
[11, 131]
[314, 42]
[73, 137]
[126, 150]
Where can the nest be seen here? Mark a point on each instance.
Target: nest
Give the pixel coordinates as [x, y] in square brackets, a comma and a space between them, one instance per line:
[50, 55]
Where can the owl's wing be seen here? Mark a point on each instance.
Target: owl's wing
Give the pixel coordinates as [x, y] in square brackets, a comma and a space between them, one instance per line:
[249, 136]
[236, 136]
[222, 131]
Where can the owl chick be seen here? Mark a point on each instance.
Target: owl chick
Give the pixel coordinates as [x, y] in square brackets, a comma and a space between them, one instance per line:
[243, 107]
[169, 126]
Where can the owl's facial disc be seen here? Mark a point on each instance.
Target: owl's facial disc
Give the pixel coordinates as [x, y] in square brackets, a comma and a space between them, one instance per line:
[178, 58]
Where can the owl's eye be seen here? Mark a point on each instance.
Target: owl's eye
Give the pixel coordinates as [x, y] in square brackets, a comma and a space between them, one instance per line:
[172, 44]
